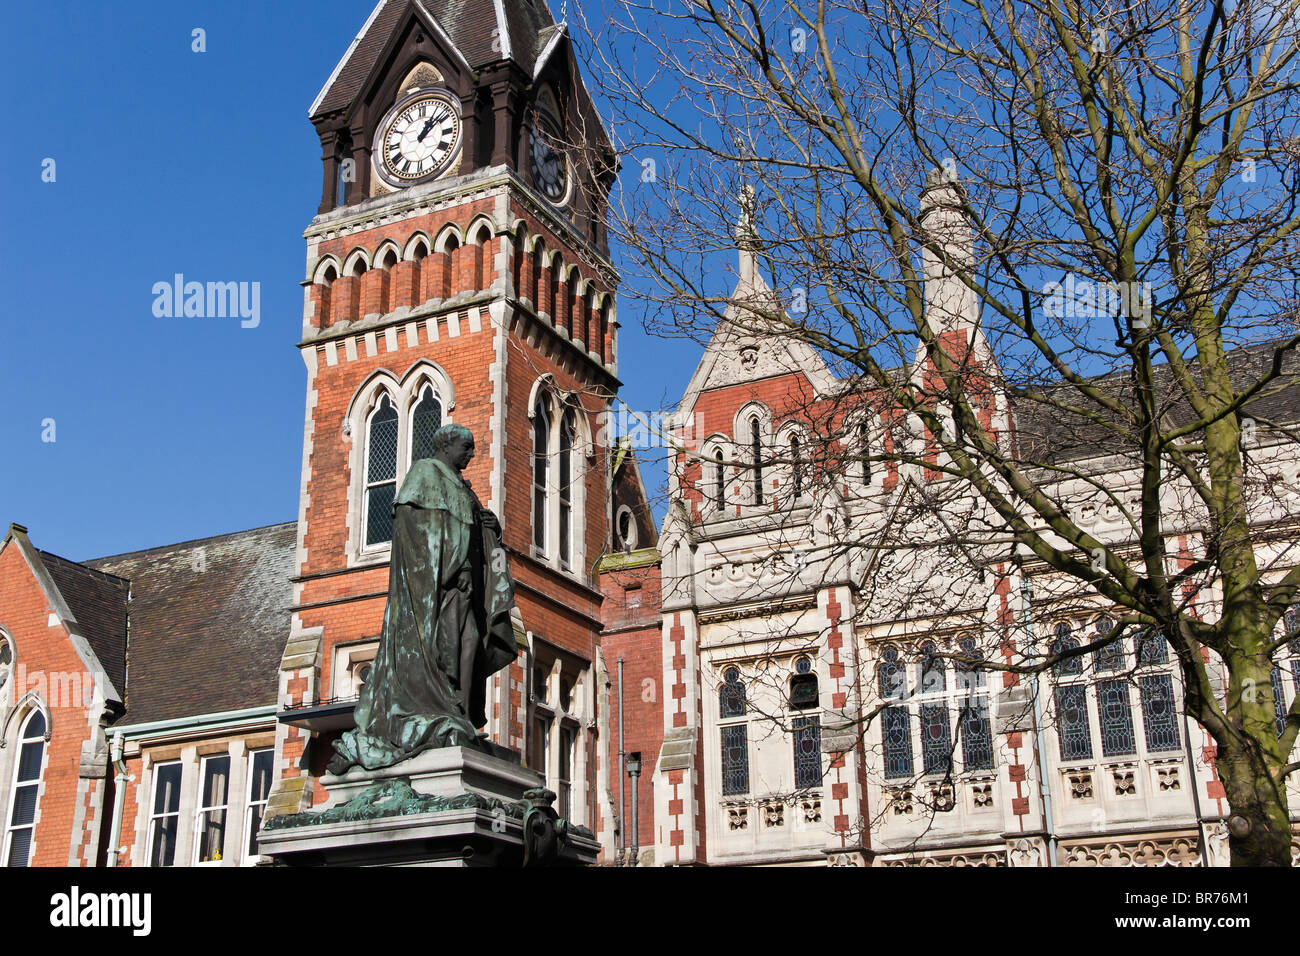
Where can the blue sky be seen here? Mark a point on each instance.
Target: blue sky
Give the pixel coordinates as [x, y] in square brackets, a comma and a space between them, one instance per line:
[170, 161]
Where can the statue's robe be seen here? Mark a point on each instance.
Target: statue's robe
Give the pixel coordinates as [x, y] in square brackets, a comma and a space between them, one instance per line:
[447, 626]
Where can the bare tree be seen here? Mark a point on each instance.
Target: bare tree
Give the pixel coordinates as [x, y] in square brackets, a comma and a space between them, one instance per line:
[1126, 175]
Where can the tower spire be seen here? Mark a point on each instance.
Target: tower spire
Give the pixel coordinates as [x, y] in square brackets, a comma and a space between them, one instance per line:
[746, 238]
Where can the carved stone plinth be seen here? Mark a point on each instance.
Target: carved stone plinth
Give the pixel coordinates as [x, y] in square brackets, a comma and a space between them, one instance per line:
[447, 807]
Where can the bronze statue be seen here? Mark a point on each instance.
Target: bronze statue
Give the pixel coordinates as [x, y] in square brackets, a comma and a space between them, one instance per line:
[447, 624]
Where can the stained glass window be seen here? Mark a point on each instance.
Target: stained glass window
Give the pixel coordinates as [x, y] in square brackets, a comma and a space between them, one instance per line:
[735, 759]
[1064, 642]
[381, 472]
[1116, 718]
[932, 675]
[969, 675]
[1072, 722]
[936, 738]
[807, 752]
[976, 734]
[896, 734]
[1110, 657]
[1152, 647]
[1159, 719]
[731, 700]
[426, 418]
[1279, 700]
[890, 675]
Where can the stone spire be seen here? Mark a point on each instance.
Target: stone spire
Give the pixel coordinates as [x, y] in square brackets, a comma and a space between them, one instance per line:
[746, 239]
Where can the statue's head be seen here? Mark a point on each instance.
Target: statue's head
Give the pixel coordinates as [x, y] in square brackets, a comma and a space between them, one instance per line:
[453, 444]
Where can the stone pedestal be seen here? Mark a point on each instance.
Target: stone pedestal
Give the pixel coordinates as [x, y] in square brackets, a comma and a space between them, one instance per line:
[448, 807]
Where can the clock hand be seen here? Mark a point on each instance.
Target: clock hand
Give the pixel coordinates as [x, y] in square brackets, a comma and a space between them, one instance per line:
[428, 125]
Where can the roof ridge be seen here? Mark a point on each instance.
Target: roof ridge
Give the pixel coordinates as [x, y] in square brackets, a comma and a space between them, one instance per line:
[191, 541]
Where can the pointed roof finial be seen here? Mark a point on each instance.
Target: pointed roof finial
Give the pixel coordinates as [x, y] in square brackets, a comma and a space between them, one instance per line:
[746, 238]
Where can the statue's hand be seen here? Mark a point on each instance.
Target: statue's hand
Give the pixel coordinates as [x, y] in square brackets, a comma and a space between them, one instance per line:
[490, 522]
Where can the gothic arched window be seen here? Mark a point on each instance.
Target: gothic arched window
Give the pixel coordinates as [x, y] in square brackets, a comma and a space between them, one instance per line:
[1064, 642]
[21, 824]
[756, 456]
[734, 735]
[891, 676]
[566, 487]
[381, 471]
[796, 466]
[864, 449]
[541, 466]
[426, 418]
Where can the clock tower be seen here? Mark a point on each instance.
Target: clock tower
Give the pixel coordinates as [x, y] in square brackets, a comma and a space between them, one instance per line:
[457, 271]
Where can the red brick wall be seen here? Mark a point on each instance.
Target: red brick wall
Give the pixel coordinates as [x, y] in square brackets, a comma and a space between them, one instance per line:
[41, 654]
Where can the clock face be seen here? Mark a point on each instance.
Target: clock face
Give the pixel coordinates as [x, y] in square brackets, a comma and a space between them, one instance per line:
[549, 168]
[418, 138]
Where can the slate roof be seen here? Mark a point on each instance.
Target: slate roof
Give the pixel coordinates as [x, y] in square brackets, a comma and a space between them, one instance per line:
[98, 602]
[1049, 435]
[469, 24]
[208, 622]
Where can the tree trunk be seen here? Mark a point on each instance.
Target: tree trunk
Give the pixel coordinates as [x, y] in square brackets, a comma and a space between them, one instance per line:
[1259, 829]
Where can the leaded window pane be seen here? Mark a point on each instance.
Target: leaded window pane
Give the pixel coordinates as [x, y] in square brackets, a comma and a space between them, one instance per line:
[1064, 642]
[379, 513]
[936, 738]
[1159, 719]
[896, 734]
[735, 760]
[933, 676]
[1072, 722]
[969, 676]
[890, 675]
[796, 466]
[807, 752]
[1116, 719]
[756, 452]
[1152, 648]
[35, 727]
[976, 735]
[1110, 657]
[382, 465]
[1279, 700]
[731, 699]
[426, 418]
[1291, 621]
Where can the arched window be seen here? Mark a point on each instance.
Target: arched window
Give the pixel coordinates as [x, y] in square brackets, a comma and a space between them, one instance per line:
[718, 478]
[566, 487]
[895, 724]
[973, 716]
[932, 675]
[864, 449]
[731, 698]
[756, 457]
[381, 471]
[1116, 715]
[735, 736]
[936, 728]
[541, 466]
[796, 466]
[891, 676]
[1111, 656]
[1064, 642]
[21, 827]
[426, 418]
